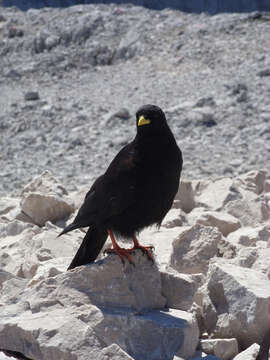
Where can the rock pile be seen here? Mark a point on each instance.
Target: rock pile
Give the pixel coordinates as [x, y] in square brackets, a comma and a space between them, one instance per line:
[206, 297]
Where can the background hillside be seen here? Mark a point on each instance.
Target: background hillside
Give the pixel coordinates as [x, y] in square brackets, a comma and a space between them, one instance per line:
[71, 80]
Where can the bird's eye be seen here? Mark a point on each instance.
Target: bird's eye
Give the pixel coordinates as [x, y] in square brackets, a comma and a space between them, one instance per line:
[143, 121]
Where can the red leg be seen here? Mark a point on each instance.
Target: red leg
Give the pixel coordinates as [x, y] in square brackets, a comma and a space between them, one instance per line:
[118, 250]
[145, 249]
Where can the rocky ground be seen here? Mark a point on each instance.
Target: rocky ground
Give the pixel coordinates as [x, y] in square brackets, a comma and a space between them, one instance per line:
[207, 296]
[71, 80]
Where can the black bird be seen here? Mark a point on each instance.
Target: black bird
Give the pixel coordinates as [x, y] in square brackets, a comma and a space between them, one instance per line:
[136, 191]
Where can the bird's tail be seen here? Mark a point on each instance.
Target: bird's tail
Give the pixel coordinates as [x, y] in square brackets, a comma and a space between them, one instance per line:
[68, 228]
[90, 247]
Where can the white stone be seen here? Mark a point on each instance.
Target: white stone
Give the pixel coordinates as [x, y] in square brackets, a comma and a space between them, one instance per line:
[241, 298]
[194, 247]
[262, 261]
[178, 289]
[249, 236]
[214, 194]
[113, 352]
[199, 355]
[156, 333]
[249, 354]
[110, 284]
[184, 199]
[226, 349]
[56, 319]
[253, 181]
[250, 209]
[225, 223]
[162, 240]
[5, 357]
[246, 257]
[8, 205]
[44, 199]
[175, 217]
[13, 248]
[25, 248]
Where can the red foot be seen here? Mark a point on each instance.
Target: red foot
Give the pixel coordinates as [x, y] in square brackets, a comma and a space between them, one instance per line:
[145, 249]
[118, 250]
[122, 253]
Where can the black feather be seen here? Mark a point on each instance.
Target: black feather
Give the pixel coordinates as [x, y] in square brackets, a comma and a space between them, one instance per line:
[136, 191]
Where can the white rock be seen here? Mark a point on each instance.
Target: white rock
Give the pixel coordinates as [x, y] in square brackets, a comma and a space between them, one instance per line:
[262, 261]
[156, 333]
[253, 181]
[13, 248]
[8, 204]
[202, 356]
[185, 197]
[42, 270]
[246, 257]
[241, 298]
[178, 289]
[249, 354]
[249, 236]
[4, 276]
[5, 357]
[175, 217]
[214, 194]
[225, 349]
[250, 209]
[193, 248]
[225, 223]
[116, 285]
[13, 228]
[113, 352]
[39, 320]
[24, 248]
[162, 240]
[44, 199]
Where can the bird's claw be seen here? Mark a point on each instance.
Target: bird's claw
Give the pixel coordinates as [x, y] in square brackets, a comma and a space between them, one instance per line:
[146, 250]
[121, 253]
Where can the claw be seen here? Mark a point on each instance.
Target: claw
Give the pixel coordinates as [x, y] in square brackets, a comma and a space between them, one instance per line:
[122, 254]
[144, 249]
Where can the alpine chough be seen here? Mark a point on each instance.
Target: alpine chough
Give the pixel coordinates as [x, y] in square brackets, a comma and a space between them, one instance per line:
[137, 189]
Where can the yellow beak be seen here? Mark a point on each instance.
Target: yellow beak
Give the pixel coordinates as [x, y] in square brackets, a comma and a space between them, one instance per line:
[143, 121]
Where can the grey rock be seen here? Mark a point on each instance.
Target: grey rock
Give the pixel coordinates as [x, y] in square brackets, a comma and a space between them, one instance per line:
[178, 289]
[36, 319]
[225, 349]
[194, 248]
[118, 286]
[95, 52]
[263, 73]
[113, 352]
[31, 95]
[239, 315]
[44, 199]
[249, 354]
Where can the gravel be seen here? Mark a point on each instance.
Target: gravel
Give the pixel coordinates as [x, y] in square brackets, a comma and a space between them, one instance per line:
[71, 80]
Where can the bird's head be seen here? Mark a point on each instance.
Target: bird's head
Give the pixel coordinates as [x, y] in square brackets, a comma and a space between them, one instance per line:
[150, 119]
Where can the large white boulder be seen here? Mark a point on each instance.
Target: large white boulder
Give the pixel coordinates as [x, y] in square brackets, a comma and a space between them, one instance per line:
[224, 222]
[194, 247]
[253, 180]
[106, 303]
[249, 354]
[225, 349]
[179, 289]
[249, 235]
[45, 199]
[241, 298]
